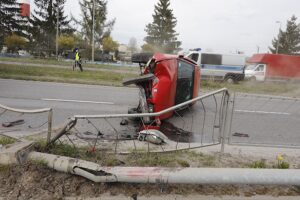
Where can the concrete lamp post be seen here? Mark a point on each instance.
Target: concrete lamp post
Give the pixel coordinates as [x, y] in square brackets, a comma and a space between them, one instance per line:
[279, 36]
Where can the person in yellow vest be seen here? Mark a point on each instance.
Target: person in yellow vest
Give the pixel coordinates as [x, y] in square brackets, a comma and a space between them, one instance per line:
[77, 60]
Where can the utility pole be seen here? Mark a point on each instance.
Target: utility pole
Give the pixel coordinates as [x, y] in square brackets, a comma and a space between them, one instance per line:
[93, 33]
[57, 21]
[279, 36]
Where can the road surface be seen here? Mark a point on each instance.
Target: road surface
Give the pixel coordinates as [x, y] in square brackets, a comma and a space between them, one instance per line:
[274, 122]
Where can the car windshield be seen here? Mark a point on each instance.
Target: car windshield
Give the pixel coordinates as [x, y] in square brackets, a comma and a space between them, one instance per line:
[250, 67]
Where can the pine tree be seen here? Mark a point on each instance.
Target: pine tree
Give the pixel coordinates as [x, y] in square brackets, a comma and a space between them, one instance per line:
[103, 27]
[10, 22]
[289, 40]
[161, 34]
[44, 24]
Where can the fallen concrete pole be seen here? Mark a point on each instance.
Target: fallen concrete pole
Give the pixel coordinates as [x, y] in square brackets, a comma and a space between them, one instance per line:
[96, 173]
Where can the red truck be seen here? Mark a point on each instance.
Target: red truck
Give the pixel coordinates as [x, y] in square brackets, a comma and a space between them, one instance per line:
[273, 66]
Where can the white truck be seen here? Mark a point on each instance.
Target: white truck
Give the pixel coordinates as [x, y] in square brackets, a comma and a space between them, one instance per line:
[224, 67]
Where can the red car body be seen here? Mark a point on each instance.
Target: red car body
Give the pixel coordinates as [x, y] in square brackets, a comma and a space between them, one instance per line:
[176, 80]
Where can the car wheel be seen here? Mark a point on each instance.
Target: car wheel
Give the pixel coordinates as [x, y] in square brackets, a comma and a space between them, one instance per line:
[230, 80]
[133, 111]
[253, 79]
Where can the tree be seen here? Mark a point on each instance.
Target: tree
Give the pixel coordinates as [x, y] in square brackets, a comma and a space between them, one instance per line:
[289, 40]
[10, 22]
[148, 48]
[161, 32]
[15, 42]
[44, 24]
[103, 27]
[132, 45]
[109, 45]
[66, 42]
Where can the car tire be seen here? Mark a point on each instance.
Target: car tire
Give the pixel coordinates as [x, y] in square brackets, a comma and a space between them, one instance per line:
[133, 111]
[253, 79]
[230, 80]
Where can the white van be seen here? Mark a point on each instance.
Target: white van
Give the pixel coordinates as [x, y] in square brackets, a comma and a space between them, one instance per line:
[225, 67]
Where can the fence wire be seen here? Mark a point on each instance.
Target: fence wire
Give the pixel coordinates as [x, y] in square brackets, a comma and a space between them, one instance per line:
[195, 126]
[265, 120]
[18, 123]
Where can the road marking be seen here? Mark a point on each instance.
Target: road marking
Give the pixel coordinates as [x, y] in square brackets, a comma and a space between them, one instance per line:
[262, 112]
[78, 101]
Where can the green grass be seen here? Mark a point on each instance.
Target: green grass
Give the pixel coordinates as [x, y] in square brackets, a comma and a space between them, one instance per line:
[41, 162]
[53, 61]
[114, 78]
[172, 159]
[258, 164]
[62, 75]
[183, 163]
[33, 60]
[275, 88]
[283, 165]
[144, 159]
[4, 169]
[6, 140]
[152, 159]
[65, 150]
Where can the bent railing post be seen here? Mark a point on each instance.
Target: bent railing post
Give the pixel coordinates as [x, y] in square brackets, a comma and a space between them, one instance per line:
[50, 116]
[223, 115]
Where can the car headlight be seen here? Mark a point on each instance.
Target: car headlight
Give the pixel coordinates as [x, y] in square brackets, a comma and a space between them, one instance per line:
[151, 108]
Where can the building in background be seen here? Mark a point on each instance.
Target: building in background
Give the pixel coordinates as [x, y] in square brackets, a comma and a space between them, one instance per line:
[124, 53]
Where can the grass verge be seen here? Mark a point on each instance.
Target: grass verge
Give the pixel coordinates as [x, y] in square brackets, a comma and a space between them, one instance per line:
[167, 159]
[273, 88]
[6, 140]
[67, 63]
[62, 75]
[115, 79]
[4, 169]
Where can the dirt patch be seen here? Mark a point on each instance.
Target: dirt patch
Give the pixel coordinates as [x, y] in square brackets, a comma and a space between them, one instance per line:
[38, 182]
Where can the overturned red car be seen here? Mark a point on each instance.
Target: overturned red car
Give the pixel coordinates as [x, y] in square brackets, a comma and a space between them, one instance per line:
[165, 81]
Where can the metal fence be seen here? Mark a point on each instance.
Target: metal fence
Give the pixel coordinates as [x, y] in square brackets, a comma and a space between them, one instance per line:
[20, 122]
[264, 120]
[200, 125]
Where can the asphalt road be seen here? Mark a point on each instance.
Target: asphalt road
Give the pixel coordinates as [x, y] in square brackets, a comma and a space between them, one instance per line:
[267, 120]
[65, 99]
[255, 120]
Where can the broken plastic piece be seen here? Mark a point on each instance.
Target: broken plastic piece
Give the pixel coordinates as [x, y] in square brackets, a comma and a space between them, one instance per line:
[13, 123]
[124, 122]
[153, 136]
[240, 134]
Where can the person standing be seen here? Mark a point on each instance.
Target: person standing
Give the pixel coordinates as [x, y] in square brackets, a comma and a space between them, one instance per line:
[77, 60]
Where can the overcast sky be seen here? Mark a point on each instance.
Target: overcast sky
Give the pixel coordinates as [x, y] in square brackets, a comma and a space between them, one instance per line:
[217, 25]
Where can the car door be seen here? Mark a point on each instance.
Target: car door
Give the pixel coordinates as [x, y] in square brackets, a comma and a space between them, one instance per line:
[185, 82]
[260, 72]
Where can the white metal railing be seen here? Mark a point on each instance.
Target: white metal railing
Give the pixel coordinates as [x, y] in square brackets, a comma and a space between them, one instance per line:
[220, 113]
[259, 109]
[33, 111]
[173, 108]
